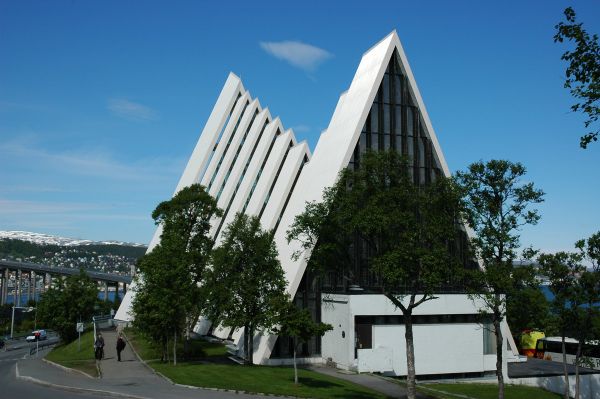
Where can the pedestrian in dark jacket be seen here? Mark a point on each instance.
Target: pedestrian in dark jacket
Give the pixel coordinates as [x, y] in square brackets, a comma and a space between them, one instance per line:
[120, 346]
[99, 346]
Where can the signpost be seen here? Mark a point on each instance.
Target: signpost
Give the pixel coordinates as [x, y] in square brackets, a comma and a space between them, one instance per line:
[79, 330]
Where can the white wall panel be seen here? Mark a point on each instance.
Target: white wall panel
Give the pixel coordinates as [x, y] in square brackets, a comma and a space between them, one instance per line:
[246, 186]
[222, 143]
[233, 144]
[210, 133]
[267, 175]
[338, 343]
[282, 187]
[243, 158]
[439, 348]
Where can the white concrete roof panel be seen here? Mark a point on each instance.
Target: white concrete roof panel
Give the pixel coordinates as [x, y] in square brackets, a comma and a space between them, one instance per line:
[267, 175]
[222, 143]
[236, 138]
[282, 187]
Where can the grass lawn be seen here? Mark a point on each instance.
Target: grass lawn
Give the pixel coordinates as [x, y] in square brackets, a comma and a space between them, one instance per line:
[263, 379]
[68, 355]
[199, 349]
[485, 391]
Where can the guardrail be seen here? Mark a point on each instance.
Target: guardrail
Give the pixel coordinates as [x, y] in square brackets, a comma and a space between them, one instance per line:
[35, 349]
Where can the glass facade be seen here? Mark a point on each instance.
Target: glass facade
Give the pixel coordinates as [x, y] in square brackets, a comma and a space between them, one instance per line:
[395, 122]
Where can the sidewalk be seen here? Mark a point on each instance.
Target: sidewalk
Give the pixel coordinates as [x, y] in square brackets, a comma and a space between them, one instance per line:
[128, 378]
[376, 383]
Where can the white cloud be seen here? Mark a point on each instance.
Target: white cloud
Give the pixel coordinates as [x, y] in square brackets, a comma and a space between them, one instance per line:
[301, 128]
[131, 110]
[298, 54]
[89, 162]
[19, 207]
[55, 216]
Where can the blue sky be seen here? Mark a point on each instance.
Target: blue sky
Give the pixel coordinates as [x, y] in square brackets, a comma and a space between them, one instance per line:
[101, 103]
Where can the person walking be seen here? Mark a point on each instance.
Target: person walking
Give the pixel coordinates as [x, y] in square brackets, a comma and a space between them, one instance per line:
[99, 346]
[120, 346]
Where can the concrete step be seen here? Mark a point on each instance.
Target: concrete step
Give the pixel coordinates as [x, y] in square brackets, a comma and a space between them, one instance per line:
[236, 359]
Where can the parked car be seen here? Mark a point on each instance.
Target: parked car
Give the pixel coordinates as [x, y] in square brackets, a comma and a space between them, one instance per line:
[37, 335]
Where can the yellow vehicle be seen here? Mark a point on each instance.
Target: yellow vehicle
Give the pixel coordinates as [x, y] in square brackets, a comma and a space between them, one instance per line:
[528, 342]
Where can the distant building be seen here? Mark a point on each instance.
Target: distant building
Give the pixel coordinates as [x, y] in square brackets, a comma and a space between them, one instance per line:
[250, 163]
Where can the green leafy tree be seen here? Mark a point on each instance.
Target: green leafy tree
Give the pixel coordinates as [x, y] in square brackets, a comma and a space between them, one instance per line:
[527, 308]
[587, 292]
[411, 233]
[583, 72]
[497, 206]
[158, 305]
[169, 291]
[68, 302]
[562, 270]
[298, 324]
[526, 305]
[247, 283]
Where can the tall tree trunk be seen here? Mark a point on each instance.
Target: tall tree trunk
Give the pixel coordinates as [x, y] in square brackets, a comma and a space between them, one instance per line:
[251, 345]
[167, 350]
[175, 348]
[186, 342]
[566, 372]
[295, 367]
[246, 342]
[499, 353]
[577, 358]
[410, 356]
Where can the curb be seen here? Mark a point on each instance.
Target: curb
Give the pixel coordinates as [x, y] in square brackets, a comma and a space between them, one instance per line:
[73, 389]
[68, 369]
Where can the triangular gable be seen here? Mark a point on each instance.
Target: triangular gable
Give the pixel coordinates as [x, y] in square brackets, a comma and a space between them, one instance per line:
[335, 150]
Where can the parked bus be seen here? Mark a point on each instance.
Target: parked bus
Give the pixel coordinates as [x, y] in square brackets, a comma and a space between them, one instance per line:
[528, 340]
[550, 348]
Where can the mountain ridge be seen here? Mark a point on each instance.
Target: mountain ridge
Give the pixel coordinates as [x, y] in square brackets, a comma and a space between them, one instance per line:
[47, 239]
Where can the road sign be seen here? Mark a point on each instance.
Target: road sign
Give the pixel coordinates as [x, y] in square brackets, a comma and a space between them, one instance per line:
[80, 327]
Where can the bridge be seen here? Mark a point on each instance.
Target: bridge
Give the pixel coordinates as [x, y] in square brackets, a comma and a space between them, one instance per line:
[26, 279]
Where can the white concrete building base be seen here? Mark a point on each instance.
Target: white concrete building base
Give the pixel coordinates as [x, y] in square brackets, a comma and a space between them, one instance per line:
[444, 348]
[589, 384]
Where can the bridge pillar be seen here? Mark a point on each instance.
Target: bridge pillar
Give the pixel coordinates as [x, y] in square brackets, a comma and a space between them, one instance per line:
[7, 279]
[4, 282]
[47, 282]
[16, 293]
[106, 290]
[33, 285]
[28, 293]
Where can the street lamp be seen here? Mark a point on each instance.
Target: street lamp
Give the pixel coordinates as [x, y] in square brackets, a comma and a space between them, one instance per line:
[12, 323]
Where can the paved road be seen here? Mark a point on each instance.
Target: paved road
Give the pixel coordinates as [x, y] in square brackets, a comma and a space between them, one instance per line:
[13, 388]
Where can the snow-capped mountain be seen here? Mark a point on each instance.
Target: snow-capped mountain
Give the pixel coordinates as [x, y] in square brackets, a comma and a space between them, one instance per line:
[56, 240]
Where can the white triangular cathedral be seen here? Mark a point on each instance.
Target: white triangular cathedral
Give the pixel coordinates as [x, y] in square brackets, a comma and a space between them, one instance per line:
[251, 164]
